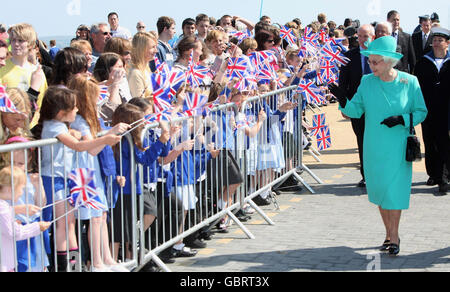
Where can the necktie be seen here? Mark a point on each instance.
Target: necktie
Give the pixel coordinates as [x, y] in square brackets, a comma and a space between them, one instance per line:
[367, 69]
[425, 39]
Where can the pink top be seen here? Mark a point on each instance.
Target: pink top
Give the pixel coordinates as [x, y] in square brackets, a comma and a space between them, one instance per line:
[20, 232]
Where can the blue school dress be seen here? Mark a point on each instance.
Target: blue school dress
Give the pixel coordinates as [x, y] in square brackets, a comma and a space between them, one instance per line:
[55, 165]
[85, 160]
[38, 259]
[270, 143]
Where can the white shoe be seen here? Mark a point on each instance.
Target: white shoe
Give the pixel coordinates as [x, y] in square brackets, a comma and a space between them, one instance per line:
[118, 268]
[104, 269]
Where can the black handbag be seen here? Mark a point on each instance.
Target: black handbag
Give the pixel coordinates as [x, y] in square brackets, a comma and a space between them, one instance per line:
[413, 153]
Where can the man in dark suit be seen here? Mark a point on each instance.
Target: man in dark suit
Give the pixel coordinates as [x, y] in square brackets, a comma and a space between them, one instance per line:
[422, 40]
[350, 79]
[404, 42]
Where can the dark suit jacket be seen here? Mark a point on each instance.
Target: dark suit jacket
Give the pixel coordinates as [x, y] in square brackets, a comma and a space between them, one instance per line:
[350, 76]
[419, 51]
[405, 46]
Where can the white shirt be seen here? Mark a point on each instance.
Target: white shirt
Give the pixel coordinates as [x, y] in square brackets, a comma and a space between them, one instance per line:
[121, 32]
[395, 35]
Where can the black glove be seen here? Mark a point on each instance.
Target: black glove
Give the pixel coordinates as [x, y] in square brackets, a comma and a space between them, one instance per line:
[393, 121]
[339, 93]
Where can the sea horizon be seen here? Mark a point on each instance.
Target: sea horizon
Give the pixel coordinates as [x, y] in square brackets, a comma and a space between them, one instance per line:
[61, 41]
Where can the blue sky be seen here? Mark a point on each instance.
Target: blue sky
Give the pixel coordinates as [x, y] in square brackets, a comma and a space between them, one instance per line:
[61, 17]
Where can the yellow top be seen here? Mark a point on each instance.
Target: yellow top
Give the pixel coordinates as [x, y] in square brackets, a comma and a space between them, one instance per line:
[13, 76]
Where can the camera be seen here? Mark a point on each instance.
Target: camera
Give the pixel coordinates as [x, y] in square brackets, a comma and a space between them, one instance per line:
[228, 47]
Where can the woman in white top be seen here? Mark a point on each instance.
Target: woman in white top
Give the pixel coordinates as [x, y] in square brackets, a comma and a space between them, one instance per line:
[144, 51]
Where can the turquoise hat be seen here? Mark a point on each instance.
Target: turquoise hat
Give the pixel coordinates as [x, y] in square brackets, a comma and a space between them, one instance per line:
[385, 46]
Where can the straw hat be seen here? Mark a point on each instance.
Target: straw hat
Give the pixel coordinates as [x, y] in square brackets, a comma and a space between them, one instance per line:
[385, 46]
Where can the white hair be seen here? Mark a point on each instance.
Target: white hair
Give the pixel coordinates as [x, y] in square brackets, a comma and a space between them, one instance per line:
[386, 24]
[367, 27]
[392, 61]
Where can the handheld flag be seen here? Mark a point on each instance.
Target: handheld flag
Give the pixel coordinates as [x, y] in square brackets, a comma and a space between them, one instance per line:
[83, 191]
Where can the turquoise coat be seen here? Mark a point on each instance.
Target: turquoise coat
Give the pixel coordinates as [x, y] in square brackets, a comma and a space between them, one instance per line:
[388, 174]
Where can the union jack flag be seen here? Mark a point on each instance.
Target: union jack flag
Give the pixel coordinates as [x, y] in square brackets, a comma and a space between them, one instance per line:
[288, 35]
[6, 105]
[310, 38]
[246, 84]
[324, 138]
[150, 119]
[310, 91]
[104, 95]
[161, 68]
[237, 67]
[160, 94]
[176, 80]
[240, 35]
[194, 101]
[328, 71]
[337, 42]
[318, 121]
[83, 191]
[323, 35]
[258, 59]
[196, 74]
[334, 55]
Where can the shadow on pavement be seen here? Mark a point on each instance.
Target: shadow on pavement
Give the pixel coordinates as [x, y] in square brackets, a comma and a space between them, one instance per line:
[332, 259]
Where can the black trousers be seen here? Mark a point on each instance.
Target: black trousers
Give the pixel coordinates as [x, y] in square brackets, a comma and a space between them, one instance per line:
[437, 152]
[359, 126]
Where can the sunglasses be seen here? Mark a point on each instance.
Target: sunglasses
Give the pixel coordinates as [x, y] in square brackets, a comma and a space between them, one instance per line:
[270, 41]
[141, 27]
[106, 33]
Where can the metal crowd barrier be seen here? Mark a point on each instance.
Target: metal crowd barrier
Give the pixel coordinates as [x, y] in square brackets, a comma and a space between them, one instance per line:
[207, 205]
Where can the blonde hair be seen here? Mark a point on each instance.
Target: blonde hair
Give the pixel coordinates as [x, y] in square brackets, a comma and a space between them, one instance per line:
[81, 45]
[8, 175]
[247, 44]
[292, 54]
[24, 31]
[22, 103]
[214, 35]
[5, 157]
[140, 47]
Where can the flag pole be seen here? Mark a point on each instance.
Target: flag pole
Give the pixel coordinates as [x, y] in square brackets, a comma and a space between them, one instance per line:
[261, 10]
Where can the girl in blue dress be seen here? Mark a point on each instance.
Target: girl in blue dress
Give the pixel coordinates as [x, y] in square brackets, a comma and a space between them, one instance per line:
[88, 124]
[59, 107]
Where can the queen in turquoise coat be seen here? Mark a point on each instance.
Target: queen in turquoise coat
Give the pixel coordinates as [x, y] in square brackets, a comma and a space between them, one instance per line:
[387, 98]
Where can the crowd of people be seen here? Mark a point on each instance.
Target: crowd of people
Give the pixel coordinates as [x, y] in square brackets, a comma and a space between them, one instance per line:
[114, 82]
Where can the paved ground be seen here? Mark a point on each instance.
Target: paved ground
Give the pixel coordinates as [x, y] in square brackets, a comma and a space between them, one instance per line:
[336, 229]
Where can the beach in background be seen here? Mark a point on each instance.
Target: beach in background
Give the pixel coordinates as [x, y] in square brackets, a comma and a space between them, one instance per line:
[61, 41]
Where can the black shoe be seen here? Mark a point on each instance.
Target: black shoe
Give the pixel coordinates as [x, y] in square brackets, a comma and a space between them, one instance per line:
[184, 253]
[205, 235]
[443, 188]
[362, 184]
[196, 244]
[166, 257]
[261, 202]
[431, 182]
[242, 216]
[150, 267]
[394, 249]
[386, 245]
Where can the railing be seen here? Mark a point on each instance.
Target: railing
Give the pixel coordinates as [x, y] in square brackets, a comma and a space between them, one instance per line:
[210, 182]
